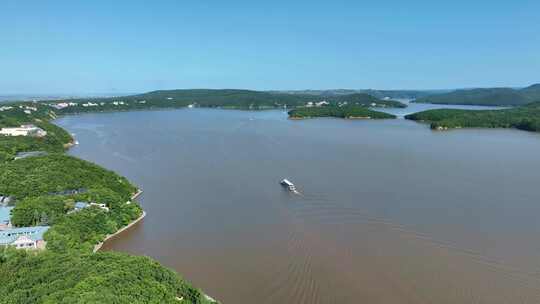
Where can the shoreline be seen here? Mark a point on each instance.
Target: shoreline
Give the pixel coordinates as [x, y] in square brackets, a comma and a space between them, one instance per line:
[98, 246]
[137, 194]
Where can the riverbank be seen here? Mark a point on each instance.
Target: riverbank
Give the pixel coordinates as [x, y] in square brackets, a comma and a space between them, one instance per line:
[108, 237]
[137, 220]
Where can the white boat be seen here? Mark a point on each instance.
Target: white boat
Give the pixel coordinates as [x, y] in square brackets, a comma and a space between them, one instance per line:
[286, 183]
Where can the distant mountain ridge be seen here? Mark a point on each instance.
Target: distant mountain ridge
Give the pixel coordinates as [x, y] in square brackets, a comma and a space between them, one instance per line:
[486, 96]
[392, 94]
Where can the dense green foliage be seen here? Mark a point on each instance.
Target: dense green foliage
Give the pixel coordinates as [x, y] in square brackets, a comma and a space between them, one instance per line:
[80, 231]
[47, 277]
[39, 211]
[55, 141]
[524, 118]
[486, 97]
[234, 99]
[36, 176]
[39, 185]
[339, 112]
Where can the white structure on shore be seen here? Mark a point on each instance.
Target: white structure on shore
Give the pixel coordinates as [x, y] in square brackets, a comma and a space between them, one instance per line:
[83, 205]
[62, 105]
[23, 130]
[90, 104]
[24, 238]
[322, 103]
[317, 104]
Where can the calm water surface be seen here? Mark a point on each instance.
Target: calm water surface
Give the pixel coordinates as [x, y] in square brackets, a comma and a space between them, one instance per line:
[390, 212]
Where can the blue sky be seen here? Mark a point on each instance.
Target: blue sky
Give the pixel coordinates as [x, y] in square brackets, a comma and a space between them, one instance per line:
[61, 46]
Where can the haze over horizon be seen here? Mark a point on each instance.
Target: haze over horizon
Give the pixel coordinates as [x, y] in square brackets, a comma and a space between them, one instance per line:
[67, 47]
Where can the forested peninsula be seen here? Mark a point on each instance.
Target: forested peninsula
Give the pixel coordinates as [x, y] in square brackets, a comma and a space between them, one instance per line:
[76, 204]
[524, 118]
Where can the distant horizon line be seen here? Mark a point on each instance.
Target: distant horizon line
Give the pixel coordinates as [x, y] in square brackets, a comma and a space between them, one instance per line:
[112, 94]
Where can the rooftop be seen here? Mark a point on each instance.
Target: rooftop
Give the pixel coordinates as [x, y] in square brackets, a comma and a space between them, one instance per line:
[81, 205]
[30, 154]
[34, 233]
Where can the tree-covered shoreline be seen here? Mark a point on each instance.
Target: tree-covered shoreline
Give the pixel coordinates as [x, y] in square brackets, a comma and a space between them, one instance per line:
[45, 190]
[525, 118]
[103, 277]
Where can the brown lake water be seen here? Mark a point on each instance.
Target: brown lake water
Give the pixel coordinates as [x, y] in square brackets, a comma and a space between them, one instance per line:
[389, 211]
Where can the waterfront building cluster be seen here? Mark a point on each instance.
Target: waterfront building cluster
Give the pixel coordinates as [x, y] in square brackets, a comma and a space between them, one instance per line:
[22, 237]
[24, 130]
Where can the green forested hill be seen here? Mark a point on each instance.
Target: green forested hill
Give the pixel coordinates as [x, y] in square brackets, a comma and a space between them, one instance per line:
[382, 94]
[532, 92]
[224, 98]
[234, 99]
[524, 117]
[51, 278]
[35, 176]
[486, 97]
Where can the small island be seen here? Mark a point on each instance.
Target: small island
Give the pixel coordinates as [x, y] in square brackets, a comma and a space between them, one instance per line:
[524, 118]
[347, 112]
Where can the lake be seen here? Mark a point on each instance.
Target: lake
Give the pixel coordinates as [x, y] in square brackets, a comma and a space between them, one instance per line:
[389, 211]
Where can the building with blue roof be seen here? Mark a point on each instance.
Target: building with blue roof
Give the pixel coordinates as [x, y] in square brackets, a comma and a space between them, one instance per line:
[80, 205]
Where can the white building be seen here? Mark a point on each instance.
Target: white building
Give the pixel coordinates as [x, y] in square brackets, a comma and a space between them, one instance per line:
[60, 106]
[89, 104]
[101, 206]
[24, 238]
[23, 130]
